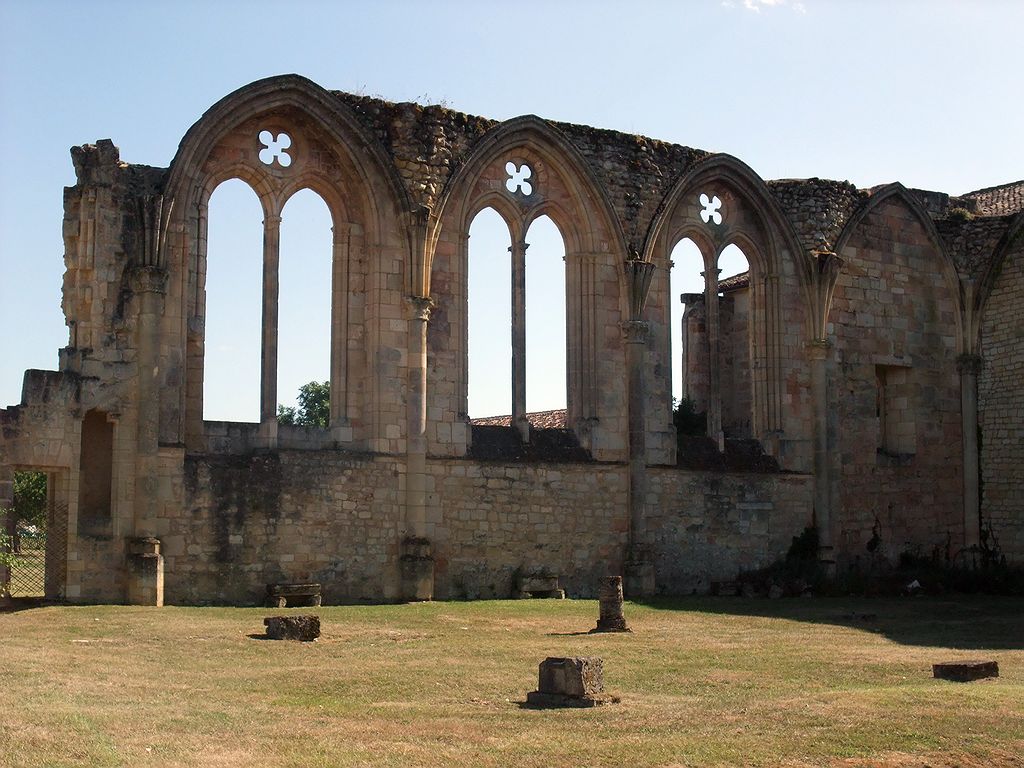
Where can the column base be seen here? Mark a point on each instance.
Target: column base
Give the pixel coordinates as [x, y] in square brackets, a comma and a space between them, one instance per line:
[416, 566]
[145, 572]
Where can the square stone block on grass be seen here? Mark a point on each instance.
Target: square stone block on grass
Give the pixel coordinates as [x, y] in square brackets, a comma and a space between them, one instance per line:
[305, 628]
[575, 681]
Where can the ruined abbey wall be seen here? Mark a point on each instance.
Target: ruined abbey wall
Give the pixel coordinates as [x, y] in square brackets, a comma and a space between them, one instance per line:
[898, 426]
[876, 332]
[1001, 405]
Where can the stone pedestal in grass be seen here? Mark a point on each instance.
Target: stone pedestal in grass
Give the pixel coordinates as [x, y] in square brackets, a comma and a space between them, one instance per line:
[611, 618]
[576, 681]
[304, 628]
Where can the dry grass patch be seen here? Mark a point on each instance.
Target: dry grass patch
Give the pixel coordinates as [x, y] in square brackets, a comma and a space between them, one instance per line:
[703, 681]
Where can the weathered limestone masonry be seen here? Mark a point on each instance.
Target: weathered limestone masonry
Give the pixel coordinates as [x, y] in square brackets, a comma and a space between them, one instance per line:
[874, 351]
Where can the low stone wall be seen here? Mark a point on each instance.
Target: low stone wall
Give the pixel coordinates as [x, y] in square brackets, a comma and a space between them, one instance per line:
[293, 516]
[335, 518]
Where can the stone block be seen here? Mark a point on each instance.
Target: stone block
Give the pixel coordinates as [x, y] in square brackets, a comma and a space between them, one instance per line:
[965, 671]
[305, 628]
[575, 681]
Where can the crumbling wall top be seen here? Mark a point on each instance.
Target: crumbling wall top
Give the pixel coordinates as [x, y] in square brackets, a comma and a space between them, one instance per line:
[818, 209]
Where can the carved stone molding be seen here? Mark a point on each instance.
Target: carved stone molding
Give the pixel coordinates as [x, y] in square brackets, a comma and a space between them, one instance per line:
[418, 307]
[149, 279]
[969, 364]
[635, 331]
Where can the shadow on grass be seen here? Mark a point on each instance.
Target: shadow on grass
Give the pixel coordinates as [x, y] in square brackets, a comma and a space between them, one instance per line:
[966, 622]
[15, 604]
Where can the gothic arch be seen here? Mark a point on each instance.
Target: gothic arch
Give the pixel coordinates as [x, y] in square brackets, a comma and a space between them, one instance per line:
[755, 222]
[331, 154]
[564, 189]
[542, 139]
[1014, 234]
[328, 113]
[946, 265]
[776, 232]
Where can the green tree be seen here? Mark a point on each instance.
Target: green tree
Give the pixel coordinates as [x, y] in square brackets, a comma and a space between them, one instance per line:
[30, 498]
[314, 408]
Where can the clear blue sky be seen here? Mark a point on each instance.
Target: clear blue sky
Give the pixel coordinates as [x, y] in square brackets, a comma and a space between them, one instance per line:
[927, 93]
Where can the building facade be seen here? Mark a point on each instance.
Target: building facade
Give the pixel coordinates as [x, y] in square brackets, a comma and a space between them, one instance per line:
[863, 376]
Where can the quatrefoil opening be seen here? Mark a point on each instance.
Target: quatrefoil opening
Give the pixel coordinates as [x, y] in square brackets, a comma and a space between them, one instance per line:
[274, 148]
[711, 209]
[517, 178]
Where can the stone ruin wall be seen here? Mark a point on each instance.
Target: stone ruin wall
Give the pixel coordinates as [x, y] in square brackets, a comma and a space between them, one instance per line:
[233, 515]
[894, 309]
[334, 517]
[1001, 402]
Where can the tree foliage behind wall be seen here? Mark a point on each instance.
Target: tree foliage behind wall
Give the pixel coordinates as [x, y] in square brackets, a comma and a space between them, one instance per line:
[30, 498]
[314, 408]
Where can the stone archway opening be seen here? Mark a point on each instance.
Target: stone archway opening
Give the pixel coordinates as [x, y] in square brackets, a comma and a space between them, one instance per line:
[545, 318]
[233, 304]
[490, 316]
[304, 303]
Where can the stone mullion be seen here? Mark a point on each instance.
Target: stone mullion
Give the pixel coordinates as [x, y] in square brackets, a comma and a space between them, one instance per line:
[574, 302]
[714, 359]
[461, 318]
[589, 339]
[340, 271]
[772, 360]
[757, 352]
[518, 251]
[818, 352]
[969, 366]
[271, 297]
[581, 335]
[373, 399]
[180, 299]
[194, 308]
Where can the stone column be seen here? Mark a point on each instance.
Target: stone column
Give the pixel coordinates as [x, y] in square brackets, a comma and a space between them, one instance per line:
[714, 367]
[969, 366]
[817, 352]
[518, 251]
[149, 284]
[639, 569]
[341, 430]
[417, 563]
[271, 293]
[824, 269]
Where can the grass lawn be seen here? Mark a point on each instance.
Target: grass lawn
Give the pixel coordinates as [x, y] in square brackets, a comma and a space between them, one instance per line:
[703, 681]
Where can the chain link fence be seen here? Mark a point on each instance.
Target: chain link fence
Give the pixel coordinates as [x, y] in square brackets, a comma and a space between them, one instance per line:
[40, 562]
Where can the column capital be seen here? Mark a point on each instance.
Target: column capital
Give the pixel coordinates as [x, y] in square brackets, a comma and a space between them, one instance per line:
[635, 331]
[969, 364]
[419, 307]
[818, 349]
[148, 279]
